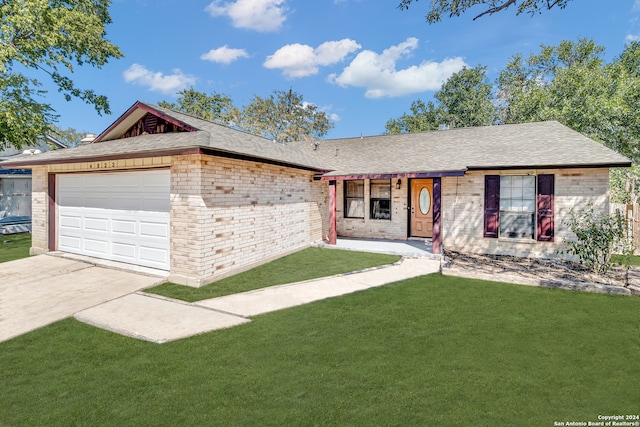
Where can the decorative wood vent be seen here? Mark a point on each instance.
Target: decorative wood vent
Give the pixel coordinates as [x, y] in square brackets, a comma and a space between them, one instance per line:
[151, 124]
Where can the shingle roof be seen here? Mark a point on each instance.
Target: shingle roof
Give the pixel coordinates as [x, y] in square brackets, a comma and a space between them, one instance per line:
[207, 136]
[528, 145]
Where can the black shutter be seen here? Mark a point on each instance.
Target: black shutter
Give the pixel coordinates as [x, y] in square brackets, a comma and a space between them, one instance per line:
[544, 202]
[491, 205]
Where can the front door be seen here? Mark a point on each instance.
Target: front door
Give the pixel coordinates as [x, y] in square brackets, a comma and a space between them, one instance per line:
[421, 208]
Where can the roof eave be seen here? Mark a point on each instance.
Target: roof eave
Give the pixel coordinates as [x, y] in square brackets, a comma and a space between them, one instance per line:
[552, 166]
[81, 159]
[425, 174]
[181, 151]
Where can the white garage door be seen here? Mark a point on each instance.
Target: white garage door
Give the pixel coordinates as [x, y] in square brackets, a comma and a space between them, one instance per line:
[117, 216]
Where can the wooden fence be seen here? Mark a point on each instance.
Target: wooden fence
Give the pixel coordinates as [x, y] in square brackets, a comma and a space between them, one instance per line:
[632, 219]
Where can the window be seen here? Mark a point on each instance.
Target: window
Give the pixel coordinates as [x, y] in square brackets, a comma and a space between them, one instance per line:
[354, 199]
[380, 199]
[519, 207]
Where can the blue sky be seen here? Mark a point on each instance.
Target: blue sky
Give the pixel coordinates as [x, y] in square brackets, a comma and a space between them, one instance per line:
[360, 61]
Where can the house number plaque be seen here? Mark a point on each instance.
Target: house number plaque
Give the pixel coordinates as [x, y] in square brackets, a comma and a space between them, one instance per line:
[103, 165]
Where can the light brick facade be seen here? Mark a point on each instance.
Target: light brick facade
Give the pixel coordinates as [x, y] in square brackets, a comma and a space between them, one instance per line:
[463, 210]
[39, 210]
[229, 215]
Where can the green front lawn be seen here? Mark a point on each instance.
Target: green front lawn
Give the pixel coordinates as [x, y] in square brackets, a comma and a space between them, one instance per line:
[310, 263]
[14, 246]
[430, 351]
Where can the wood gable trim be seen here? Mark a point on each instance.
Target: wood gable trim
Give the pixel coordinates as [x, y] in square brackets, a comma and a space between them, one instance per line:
[151, 124]
[167, 118]
[139, 106]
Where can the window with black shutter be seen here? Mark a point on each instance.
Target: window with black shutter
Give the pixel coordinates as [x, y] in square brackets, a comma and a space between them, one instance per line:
[519, 207]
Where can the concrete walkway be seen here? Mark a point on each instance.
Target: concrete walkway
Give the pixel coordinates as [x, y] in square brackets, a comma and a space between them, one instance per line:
[43, 289]
[157, 319]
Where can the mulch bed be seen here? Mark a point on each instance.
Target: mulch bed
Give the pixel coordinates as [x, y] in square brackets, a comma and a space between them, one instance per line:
[541, 272]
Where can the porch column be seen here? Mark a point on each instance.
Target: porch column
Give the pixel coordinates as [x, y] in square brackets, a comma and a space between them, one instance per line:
[436, 239]
[333, 232]
[51, 212]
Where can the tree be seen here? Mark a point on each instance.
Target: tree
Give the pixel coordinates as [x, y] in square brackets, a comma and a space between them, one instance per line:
[47, 38]
[283, 117]
[214, 108]
[457, 7]
[568, 83]
[465, 99]
[69, 137]
[423, 118]
[572, 84]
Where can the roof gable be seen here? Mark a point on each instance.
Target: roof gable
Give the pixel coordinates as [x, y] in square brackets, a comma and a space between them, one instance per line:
[144, 119]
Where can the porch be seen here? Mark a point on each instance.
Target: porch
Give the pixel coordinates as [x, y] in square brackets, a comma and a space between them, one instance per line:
[407, 248]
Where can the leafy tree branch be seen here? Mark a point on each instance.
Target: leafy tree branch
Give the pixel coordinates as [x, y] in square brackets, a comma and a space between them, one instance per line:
[51, 38]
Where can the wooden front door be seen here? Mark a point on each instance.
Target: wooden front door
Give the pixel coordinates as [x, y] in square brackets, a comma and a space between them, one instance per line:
[421, 208]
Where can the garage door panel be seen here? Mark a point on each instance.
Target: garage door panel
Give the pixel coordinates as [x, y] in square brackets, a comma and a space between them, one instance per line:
[154, 229]
[126, 227]
[71, 221]
[69, 200]
[98, 225]
[126, 250]
[97, 247]
[122, 202]
[70, 243]
[155, 203]
[118, 216]
[154, 255]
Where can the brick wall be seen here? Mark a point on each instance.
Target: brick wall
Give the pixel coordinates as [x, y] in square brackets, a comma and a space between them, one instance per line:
[229, 215]
[39, 210]
[463, 210]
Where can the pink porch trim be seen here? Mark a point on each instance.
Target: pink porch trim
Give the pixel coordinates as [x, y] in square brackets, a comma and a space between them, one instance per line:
[333, 229]
[392, 175]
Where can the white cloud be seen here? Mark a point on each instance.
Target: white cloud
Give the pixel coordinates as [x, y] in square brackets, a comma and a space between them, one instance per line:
[156, 81]
[258, 15]
[632, 37]
[224, 55]
[301, 60]
[378, 74]
[636, 5]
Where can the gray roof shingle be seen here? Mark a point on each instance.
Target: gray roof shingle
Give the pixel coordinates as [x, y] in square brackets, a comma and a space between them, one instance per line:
[527, 145]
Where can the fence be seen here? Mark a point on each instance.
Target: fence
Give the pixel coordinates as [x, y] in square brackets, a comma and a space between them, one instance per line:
[632, 219]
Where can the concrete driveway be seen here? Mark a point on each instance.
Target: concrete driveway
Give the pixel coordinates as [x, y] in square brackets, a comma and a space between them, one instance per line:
[43, 289]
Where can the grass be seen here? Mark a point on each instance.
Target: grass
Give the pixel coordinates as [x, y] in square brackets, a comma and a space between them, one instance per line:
[14, 246]
[310, 263]
[434, 350]
[632, 260]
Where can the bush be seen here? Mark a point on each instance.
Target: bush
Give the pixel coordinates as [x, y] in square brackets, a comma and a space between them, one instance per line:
[598, 236]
